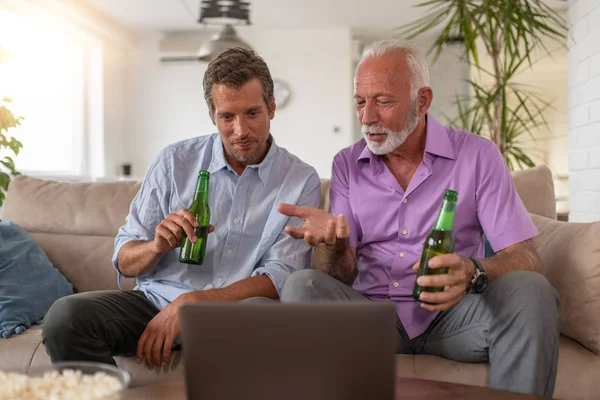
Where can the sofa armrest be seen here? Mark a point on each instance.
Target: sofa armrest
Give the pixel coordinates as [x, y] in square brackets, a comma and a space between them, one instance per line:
[571, 256]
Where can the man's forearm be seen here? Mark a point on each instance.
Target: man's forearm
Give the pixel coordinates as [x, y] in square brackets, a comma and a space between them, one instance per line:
[256, 286]
[137, 258]
[519, 257]
[337, 262]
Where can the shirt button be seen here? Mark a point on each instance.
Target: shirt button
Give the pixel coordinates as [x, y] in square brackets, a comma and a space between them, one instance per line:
[236, 220]
[402, 254]
[404, 232]
[300, 259]
[219, 279]
[396, 284]
[405, 201]
[229, 251]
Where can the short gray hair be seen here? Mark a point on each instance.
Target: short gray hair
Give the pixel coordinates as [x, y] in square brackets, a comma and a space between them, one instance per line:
[418, 70]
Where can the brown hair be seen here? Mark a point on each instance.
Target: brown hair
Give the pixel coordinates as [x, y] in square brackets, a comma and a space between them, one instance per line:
[234, 68]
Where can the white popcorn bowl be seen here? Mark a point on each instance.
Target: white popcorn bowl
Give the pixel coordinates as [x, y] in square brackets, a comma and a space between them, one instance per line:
[87, 368]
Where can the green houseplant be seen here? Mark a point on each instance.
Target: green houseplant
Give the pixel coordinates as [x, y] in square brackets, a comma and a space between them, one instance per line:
[7, 143]
[509, 31]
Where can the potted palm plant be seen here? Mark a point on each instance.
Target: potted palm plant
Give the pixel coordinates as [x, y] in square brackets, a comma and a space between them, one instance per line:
[508, 31]
[8, 144]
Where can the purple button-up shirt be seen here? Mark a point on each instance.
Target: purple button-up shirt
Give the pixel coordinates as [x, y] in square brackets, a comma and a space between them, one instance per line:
[389, 225]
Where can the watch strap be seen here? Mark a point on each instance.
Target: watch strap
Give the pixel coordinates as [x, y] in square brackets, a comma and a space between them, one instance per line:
[478, 271]
[478, 266]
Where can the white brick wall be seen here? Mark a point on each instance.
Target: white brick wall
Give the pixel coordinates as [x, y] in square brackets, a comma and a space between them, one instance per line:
[584, 106]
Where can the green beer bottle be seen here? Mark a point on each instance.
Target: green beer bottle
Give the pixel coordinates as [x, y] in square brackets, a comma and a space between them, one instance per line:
[439, 241]
[193, 253]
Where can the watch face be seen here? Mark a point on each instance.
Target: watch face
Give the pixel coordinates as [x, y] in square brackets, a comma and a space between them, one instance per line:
[480, 283]
[281, 92]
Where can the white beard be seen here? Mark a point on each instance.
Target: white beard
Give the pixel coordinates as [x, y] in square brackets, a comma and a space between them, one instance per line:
[393, 139]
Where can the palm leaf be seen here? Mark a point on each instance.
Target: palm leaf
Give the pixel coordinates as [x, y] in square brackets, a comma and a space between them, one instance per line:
[508, 31]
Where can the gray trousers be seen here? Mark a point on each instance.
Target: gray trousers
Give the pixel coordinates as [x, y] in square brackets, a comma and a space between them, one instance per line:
[95, 326]
[513, 325]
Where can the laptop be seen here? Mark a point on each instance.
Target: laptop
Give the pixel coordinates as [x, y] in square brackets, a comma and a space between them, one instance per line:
[316, 351]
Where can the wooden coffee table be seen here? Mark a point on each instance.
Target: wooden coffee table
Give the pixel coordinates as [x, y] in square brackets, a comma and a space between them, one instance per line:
[406, 389]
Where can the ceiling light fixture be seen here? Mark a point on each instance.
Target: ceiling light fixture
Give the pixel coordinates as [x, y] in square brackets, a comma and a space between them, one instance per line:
[219, 12]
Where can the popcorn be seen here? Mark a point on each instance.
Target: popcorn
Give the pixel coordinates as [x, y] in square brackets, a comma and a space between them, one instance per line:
[68, 384]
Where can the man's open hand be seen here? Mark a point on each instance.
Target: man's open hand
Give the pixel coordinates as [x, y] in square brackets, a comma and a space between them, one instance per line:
[319, 226]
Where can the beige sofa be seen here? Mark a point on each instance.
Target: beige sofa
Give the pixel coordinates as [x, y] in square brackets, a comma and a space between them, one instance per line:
[75, 224]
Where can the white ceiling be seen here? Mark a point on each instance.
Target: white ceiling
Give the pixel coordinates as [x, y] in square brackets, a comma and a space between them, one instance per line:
[365, 17]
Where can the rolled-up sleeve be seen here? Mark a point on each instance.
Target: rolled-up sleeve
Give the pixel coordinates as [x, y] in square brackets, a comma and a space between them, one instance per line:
[287, 254]
[148, 208]
[500, 211]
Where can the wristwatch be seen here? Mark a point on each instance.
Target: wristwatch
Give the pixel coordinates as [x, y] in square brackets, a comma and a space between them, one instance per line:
[479, 281]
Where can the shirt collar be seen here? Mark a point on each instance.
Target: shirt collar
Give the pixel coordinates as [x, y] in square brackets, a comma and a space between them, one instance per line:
[219, 162]
[366, 154]
[373, 159]
[264, 168]
[437, 142]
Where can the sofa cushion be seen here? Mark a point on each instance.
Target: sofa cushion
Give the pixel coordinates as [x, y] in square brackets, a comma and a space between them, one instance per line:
[571, 255]
[29, 283]
[87, 261]
[75, 224]
[93, 208]
[576, 379]
[536, 189]
[577, 376]
[17, 351]
[139, 373]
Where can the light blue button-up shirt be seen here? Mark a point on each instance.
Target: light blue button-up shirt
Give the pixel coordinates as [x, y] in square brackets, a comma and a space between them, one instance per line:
[249, 237]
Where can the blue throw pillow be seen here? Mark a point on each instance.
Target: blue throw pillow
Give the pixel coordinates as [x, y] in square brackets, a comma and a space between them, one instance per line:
[29, 283]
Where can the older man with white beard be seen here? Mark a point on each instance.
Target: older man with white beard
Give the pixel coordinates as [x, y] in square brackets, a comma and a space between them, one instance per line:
[386, 191]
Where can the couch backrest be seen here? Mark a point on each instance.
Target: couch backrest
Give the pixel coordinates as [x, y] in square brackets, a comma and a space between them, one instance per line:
[75, 223]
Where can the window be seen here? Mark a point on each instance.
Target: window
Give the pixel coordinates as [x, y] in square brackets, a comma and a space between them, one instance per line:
[49, 80]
